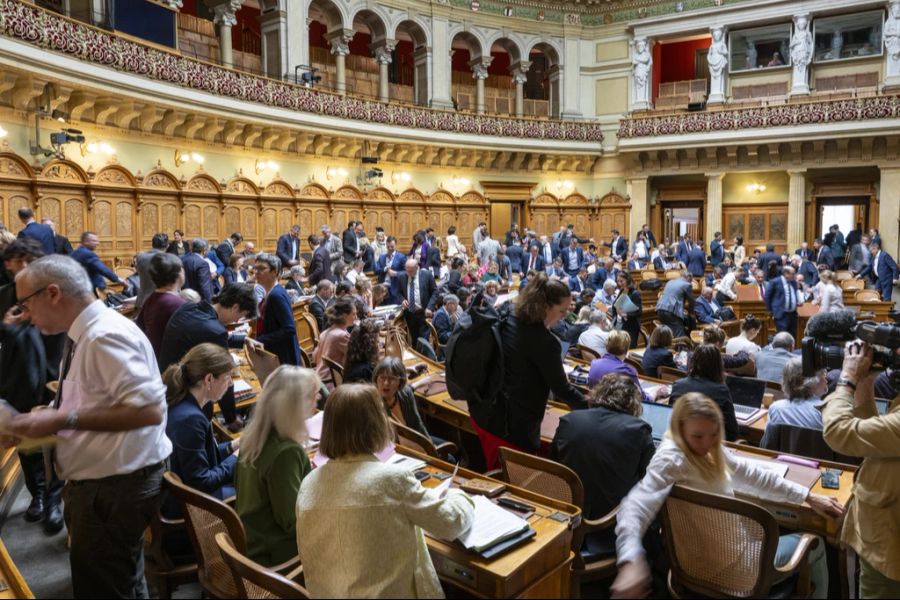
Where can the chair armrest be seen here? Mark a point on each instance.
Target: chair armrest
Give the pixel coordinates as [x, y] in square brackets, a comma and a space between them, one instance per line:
[446, 448]
[288, 566]
[495, 474]
[230, 501]
[605, 522]
[806, 544]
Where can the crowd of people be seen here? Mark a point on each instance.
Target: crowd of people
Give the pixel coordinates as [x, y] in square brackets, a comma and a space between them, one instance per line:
[136, 397]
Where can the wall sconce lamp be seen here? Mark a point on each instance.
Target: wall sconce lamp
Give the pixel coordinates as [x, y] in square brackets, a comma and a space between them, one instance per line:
[183, 156]
[97, 148]
[3, 132]
[401, 177]
[336, 173]
[460, 182]
[563, 185]
[262, 165]
[756, 188]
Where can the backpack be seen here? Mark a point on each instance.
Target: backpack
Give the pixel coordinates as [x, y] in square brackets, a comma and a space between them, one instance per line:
[475, 361]
[650, 284]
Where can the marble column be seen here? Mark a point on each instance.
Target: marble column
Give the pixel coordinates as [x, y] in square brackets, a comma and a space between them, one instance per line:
[224, 17]
[888, 221]
[638, 192]
[555, 77]
[480, 73]
[440, 72]
[713, 215]
[340, 47]
[519, 72]
[384, 58]
[796, 223]
[273, 31]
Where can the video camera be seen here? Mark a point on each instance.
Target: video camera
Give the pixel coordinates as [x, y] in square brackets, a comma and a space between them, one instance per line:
[826, 334]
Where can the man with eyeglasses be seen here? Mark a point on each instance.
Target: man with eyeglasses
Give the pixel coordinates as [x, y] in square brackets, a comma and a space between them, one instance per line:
[110, 420]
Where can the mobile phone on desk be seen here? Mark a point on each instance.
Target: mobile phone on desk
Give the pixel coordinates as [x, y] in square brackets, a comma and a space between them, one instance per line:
[831, 479]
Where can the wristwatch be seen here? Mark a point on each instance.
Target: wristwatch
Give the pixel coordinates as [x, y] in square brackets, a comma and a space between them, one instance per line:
[848, 382]
[71, 420]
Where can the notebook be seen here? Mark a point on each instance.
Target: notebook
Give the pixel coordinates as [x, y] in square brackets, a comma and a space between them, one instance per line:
[491, 525]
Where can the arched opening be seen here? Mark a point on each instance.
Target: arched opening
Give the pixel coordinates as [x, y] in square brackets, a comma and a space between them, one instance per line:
[324, 20]
[409, 72]
[505, 76]
[468, 70]
[543, 84]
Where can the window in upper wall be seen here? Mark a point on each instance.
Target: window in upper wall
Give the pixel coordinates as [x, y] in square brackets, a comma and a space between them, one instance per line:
[760, 48]
[848, 36]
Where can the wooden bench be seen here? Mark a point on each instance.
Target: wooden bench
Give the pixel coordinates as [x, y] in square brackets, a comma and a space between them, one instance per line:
[760, 90]
[853, 81]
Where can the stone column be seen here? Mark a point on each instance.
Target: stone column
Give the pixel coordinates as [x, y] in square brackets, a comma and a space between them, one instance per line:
[519, 72]
[480, 73]
[384, 57]
[224, 17]
[441, 75]
[638, 191]
[340, 47]
[796, 225]
[554, 77]
[273, 30]
[887, 211]
[713, 215]
[422, 59]
[569, 86]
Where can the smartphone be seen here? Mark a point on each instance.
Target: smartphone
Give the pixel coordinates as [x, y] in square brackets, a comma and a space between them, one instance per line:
[831, 479]
[422, 475]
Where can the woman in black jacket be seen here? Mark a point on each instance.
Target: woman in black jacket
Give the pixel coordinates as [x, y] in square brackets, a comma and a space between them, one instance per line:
[706, 375]
[178, 245]
[533, 361]
[399, 399]
[630, 322]
[659, 352]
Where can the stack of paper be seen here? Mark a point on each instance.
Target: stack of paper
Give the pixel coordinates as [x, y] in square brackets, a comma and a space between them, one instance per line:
[243, 390]
[491, 525]
[314, 426]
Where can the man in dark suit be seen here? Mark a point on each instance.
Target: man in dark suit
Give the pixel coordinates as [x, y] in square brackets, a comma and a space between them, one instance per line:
[417, 293]
[276, 330]
[578, 283]
[445, 318]
[769, 256]
[618, 246]
[227, 248]
[782, 298]
[606, 269]
[158, 244]
[388, 268]
[323, 298]
[205, 322]
[804, 252]
[659, 262]
[34, 230]
[670, 307]
[196, 270]
[806, 268]
[288, 248]
[433, 260]
[882, 271]
[635, 263]
[823, 254]
[512, 236]
[696, 262]
[534, 261]
[320, 265]
[61, 243]
[88, 259]
[350, 243]
[648, 235]
[516, 256]
[716, 250]
[706, 308]
[572, 257]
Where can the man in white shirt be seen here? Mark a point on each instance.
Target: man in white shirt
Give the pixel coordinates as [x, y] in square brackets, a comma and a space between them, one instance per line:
[595, 336]
[110, 419]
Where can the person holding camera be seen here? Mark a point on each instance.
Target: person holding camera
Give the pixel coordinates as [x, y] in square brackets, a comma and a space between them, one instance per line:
[853, 426]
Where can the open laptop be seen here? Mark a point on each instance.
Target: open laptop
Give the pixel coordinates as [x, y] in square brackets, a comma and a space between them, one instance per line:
[658, 416]
[746, 395]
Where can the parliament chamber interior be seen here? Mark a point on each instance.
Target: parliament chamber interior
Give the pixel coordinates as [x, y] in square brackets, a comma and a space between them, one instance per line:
[449, 298]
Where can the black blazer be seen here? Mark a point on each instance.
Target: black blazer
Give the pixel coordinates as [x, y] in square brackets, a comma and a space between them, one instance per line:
[190, 325]
[62, 244]
[717, 392]
[23, 366]
[279, 330]
[293, 285]
[225, 251]
[231, 277]
[426, 288]
[320, 266]
[608, 450]
[197, 276]
[349, 241]
[174, 247]
[317, 307]
[656, 357]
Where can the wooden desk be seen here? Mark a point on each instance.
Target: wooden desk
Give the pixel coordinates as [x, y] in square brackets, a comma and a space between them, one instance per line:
[758, 308]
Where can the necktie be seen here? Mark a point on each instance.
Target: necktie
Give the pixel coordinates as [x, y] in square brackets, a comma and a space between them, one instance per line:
[531, 264]
[68, 354]
[790, 297]
[411, 294]
[762, 291]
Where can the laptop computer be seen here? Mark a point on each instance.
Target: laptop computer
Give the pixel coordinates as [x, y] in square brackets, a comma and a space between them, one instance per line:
[658, 416]
[746, 395]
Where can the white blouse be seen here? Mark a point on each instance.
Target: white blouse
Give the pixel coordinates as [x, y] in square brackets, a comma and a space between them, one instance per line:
[831, 298]
[454, 247]
[738, 343]
[669, 467]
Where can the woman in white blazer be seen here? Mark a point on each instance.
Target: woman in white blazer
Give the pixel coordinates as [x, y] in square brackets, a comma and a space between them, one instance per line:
[831, 297]
[360, 522]
[692, 454]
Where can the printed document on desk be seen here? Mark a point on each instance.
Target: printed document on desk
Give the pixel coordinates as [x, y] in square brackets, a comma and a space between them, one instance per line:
[491, 525]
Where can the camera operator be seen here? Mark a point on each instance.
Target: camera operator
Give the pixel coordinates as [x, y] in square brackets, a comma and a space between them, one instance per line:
[853, 426]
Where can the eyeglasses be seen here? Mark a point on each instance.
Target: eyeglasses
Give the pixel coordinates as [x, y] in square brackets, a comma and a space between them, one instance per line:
[21, 304]
[387, 378]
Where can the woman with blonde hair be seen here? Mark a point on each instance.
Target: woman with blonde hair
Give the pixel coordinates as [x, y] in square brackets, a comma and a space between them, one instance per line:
[692, 454]
[360, 522]
[831, 298]
[273, 462]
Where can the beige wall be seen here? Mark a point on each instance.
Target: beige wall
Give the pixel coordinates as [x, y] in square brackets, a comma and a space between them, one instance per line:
[615, 50]
[611, 95]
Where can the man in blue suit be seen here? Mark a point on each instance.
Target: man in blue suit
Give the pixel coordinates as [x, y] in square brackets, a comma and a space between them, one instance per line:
[605, 270]
[534, 261]
[572, 257]
[706, 308]
[95, 268]
[276, 330]
[34, 230]
[288, 248]
[823, 254]
[807, 269]
[782, 298]
[196, 270]
[618, 246]
[716, 250]
[516, 256]
[882, 271]
[685, 245]
[769, 256]
[388, 268]
[578, 283]
[696, 262]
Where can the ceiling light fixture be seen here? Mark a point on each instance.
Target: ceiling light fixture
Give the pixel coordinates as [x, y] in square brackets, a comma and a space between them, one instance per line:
[263, 165]
[756, 187]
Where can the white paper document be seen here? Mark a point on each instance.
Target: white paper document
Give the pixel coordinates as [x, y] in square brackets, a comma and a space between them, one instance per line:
[241, 386]
[491, 525]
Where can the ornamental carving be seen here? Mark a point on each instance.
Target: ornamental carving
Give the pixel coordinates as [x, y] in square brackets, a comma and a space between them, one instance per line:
[471, 198]
[74, 217]
[232, 219]
[348, 193]
[241, 186]
[12, 167]
[202, 183]
[113, 176]
[545, 199]
[381, 195]
[124, 214]
[160, 180]
[63, 172]
[279, 188]
[575, 199]
[149, 220]
[417, 196]
[314, 190]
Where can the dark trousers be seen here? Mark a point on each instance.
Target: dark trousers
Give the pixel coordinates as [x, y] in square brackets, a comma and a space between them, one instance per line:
[106, 520]
[787, 322]
[36, 480]
[673, 321]
[887, 290]
[415, 323]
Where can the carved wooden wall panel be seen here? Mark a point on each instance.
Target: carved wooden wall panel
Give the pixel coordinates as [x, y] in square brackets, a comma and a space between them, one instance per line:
[232, 219]
[192, 225]
[249, 222]
[14, 202]
[758, 224]
[74, 223]
[211, 224]
[150, 220]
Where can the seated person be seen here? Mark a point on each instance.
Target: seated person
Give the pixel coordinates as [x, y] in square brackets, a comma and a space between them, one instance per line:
[362, 352]
[739, 363]
[333, 341]
[659, 352]
[201, 377]
[296, 280]
[596, 335]
[802, 398]
[770, 361]
[692, 454]
[579, 326]
[273, 462]
[750, 328]
[706, 375]
[492, 273]
[444, 320]
[390, 378]
[608, 445]
[614, 360]
[384, 509]
[491, 292]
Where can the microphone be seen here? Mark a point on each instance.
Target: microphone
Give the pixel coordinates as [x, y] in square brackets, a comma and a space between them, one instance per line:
[839, 325]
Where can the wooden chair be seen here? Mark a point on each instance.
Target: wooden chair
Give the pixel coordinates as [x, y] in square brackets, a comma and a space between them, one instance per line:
[307, 331]
[254, 580]
[731, 328]
[163, 571]
[671, 374]
[262, 363]
[394, 343]
[412, 439]
[587, 354]
[649, 274]
[559, 482]
[843, 275]
[722, 547]
[305, 359]
[673, 274]
[868, 296]
[643, 338]
[634, 362]
[683, 343]
[336, 370]
[435, 341]
[853, 284]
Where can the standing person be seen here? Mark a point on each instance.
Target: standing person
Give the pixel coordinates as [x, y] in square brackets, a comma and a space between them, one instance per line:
[854, 237]
[417, 293]
[882, 271]
[853, 426]
[335, 248]
[696, 260]
[512, 236]
[572, 257]
[61, 243]
[487, 250]
[388, 267]
[167, 276]
[860, 256]
[831, 297]
[478, 236]
[320, 265]
[34, 230]
[618, 246]
[350, 243]
[197, 275]
[837, 244]
[454, 246]
[628, 321]
[179, 245]
[648, 235]
[670, 307]
[782, 298]
[88, 259]
[823, 254]
[534, 261]
[228, 247]
[516, 256]
[716, 250]
[738, 251]
[288, 248]
[111, 404]
[158, 245]
[276, 329]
